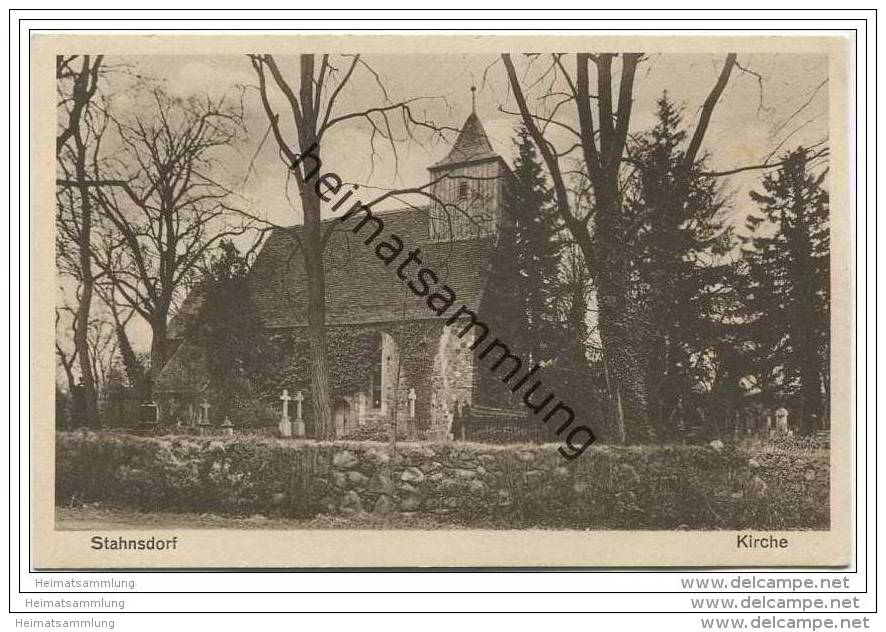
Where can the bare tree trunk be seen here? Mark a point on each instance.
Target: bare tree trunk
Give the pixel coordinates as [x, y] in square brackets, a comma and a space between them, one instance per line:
[621, 329]
[320, 395]
[67, 363]
[159, 352]
[81, 330]
[324, 427]
[313, 109]
[616, 412]
[135, 371]
[628, 373]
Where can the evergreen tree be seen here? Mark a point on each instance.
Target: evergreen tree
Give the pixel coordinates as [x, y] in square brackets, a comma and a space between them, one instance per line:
[538, 290]
[679, 265]
[537, 247]
[788, 289]
[523, 273]
[229, 330]
[524, 280]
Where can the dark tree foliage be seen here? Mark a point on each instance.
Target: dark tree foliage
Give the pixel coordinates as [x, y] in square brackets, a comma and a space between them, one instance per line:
[531, 304]
[605, 234]
[680, 272]
[522, 285]
[537, 247]
[229, 329]
[788, 290]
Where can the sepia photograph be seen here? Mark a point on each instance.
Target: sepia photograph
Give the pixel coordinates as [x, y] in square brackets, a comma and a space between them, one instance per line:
[576, 291]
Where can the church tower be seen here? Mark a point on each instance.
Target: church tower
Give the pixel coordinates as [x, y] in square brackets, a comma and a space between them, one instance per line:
[467, 187]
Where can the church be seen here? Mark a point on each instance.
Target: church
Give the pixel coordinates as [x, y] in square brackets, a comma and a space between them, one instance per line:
[389, 354]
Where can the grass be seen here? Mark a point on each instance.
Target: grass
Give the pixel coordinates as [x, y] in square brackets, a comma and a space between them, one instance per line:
[95, 517]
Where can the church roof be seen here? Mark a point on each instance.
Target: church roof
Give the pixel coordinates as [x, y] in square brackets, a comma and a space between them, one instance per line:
[471, 145]
[359, 287]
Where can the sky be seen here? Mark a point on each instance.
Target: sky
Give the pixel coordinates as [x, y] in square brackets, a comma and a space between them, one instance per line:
[748, 123]
[757, 112]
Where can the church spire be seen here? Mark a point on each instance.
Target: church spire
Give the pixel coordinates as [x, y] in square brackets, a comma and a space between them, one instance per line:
[470, 178]
[472, 143]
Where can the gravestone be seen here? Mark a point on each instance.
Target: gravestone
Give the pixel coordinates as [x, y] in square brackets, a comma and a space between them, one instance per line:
[203, 423]
[781, 421]
[285, 426]
[149, 414]
[148, 418]
[299, 422]
[411, 430]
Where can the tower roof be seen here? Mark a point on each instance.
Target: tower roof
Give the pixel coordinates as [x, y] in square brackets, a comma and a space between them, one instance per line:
[472, 144]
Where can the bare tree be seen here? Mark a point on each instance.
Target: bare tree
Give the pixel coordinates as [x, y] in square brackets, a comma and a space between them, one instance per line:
[101, 347]
[121, 315]
[102, 350]
[66, 357]
[311, 100]
[81, 124]
[162, 207]
[604, 233]
[76, 89]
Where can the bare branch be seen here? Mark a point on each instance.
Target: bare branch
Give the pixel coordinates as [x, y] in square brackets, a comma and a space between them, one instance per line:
[707, 111]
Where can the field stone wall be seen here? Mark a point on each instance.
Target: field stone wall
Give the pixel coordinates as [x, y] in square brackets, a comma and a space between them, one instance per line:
[669, 487]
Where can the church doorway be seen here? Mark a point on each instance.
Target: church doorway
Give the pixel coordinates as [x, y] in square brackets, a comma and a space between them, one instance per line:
[341, 414]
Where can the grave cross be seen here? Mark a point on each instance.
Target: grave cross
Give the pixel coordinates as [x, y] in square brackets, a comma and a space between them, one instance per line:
[205, 406]
[300, 430]
[285, 426]
[299, 398]
[411, 433]
[285, 398]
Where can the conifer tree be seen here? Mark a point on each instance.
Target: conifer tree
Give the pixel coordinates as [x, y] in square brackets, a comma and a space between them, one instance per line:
[788, 289]
[536, 250]
[522, 285]
[238, 354]
[538, 287]
[679, 263]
